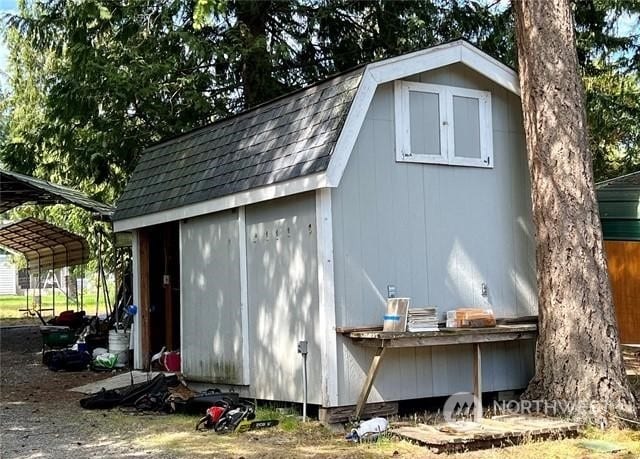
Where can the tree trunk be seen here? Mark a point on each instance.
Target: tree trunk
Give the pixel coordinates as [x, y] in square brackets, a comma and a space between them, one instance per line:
[256, 67]
[579, 368]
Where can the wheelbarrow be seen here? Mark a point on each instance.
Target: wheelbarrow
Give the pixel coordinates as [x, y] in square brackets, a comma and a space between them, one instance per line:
[56, 337]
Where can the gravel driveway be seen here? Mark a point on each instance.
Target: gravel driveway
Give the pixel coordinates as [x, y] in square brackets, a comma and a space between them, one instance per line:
[40, 417]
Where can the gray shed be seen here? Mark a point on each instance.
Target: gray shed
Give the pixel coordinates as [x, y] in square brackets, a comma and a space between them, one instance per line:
[289, 221]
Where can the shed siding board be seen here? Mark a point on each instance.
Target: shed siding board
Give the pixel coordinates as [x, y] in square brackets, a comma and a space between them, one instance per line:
[211, 303]
[436, 233]
[283, 297]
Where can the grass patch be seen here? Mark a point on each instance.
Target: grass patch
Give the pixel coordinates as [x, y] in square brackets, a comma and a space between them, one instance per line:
[10, 305]
[289, 418]
[175, 435]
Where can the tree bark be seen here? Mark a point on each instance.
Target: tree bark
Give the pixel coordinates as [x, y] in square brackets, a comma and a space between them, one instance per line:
[579, 368]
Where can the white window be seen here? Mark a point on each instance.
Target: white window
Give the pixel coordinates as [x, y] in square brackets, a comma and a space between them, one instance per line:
[443, 125]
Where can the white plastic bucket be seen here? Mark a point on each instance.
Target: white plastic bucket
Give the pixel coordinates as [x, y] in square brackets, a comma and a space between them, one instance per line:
[119, 345]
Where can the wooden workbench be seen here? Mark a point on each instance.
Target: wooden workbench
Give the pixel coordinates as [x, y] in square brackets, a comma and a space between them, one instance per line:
[445, 337]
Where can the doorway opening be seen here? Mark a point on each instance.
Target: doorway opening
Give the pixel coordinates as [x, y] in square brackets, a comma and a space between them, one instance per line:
[159, 289]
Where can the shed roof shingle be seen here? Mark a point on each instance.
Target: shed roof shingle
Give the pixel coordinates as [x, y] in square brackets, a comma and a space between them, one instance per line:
[289, 137]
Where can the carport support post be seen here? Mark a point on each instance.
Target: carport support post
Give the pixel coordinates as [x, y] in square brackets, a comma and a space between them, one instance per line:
[53, 282]
[66, 279]
[98, 274]
[39, 285]
[81, 286]
[28, 285]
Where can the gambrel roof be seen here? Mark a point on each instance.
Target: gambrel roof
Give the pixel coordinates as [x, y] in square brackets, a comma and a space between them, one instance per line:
[297, 143]
[287, 138]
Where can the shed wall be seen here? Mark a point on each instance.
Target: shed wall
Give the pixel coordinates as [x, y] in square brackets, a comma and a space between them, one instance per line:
[619, 213]
[436, 233]
[623, 260]
[211, 303]
[282, 289]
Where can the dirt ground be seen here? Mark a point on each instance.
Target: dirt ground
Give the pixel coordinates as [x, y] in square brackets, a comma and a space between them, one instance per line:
[40, 418]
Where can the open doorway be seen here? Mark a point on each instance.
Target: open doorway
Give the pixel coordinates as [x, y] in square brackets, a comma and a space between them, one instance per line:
[159, 289]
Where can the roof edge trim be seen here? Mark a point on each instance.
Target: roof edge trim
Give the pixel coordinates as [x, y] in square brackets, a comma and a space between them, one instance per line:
[605, 183]
[243, 198]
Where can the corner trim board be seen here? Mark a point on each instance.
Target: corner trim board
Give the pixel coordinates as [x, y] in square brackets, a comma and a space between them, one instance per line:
[349, 134]
[326, 298]
[244, 294]
[265, 193]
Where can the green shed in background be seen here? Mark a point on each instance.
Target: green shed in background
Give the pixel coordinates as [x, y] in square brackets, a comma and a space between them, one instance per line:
[619, 203]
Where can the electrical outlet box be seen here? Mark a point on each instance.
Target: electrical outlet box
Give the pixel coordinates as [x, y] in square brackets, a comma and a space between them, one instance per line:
[302, 347]
[166, 280]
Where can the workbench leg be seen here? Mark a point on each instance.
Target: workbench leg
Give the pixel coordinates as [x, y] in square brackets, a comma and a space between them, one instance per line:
[477, 382]
[371, 376]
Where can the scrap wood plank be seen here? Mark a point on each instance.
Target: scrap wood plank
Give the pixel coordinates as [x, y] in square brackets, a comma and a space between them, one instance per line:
[347, 330]
[535, 424]
[347, 413]
[486, 433]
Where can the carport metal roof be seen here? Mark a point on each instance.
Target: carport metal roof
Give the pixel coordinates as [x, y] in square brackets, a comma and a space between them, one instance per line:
[45, 246]
[17, 189]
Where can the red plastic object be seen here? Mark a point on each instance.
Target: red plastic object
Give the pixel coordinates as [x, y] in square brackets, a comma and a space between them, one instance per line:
[215, 413]
[171, 361]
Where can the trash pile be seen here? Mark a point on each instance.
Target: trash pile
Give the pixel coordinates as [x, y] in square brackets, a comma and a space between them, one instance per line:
[74, 342]
[224, 412]
[368, 431]
[154, 395]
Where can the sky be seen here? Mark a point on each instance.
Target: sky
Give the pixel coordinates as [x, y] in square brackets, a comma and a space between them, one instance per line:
[627, 25]
[6, 6]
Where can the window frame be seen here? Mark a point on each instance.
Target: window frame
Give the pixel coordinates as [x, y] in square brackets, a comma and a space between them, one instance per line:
[446, 128]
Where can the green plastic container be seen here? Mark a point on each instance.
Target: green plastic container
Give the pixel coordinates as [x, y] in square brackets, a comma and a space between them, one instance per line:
[54, 337]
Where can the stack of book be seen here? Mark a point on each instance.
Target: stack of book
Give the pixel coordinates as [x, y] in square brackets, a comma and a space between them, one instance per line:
[422, 319]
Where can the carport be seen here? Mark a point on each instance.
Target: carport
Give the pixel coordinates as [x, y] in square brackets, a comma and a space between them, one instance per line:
[17, 189]
[46, 247]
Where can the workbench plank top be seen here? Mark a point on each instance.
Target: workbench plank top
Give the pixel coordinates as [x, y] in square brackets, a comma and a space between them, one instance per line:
[445, 336]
